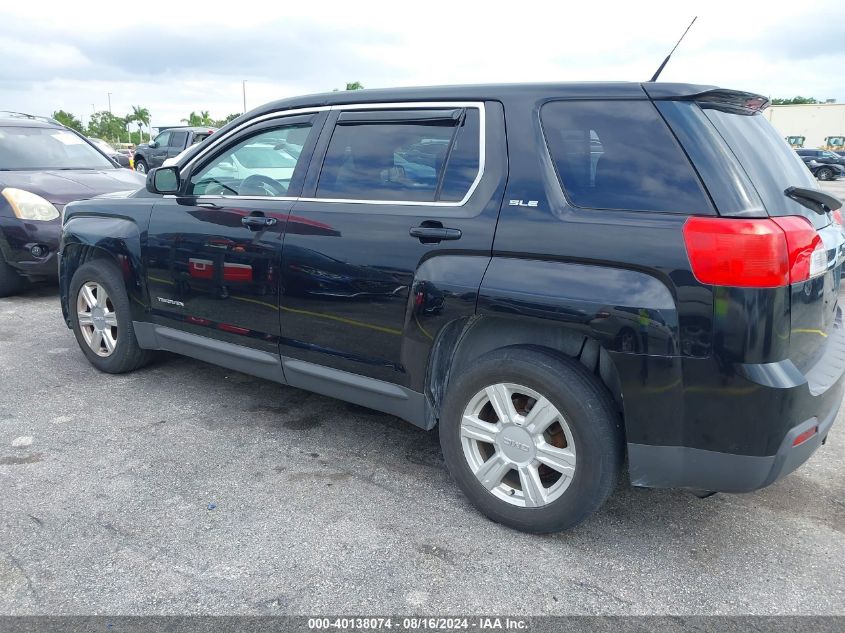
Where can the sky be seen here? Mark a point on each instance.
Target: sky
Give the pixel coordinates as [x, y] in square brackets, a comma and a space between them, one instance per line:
[177, 57]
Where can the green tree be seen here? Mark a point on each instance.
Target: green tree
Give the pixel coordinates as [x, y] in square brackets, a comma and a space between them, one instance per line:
[224, 121]
[141, 116]
[105, 125]
[203, 118]
[794, 100]
[68, 120]
[351, 85]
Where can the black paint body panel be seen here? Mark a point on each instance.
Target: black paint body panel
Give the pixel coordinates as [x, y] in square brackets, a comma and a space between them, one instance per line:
[353, 306]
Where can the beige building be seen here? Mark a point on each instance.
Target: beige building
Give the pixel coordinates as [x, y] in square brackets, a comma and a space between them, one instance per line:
[815, 121]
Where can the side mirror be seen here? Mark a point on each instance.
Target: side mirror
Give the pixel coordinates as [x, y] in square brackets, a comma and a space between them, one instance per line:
[163, 180]
[153, 144]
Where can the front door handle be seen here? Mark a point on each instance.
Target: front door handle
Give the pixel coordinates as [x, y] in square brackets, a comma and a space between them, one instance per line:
[257, 221]
[434, 234]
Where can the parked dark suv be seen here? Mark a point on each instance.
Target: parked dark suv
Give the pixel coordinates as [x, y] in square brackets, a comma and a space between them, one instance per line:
[559, 275]
[168, 144]
[43, 166]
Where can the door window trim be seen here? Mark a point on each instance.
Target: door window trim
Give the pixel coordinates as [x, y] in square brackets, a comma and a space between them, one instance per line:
[409, 105]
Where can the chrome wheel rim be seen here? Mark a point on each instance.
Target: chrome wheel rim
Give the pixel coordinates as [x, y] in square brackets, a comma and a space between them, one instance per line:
[518, 445]
[97, 318]
[140, 167]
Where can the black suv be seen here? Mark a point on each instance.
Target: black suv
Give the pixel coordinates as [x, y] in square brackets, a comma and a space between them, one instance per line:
[558, 275]
[168, 144]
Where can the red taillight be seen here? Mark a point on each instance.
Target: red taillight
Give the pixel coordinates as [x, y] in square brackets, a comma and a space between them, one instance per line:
[753, 253]
[806, 435]
[807, 257]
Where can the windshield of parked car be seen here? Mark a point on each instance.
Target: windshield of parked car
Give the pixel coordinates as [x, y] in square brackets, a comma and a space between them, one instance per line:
[38, 148]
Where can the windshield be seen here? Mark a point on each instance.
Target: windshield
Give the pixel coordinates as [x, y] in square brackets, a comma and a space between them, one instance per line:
[37, 148]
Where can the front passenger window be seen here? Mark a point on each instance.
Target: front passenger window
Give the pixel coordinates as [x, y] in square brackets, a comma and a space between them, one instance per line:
[261, 165]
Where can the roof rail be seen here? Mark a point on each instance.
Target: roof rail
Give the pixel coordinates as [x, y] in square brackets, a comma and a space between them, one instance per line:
[25, 115]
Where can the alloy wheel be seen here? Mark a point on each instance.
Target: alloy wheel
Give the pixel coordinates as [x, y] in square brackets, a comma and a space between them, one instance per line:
[97, 318]
[518, 445]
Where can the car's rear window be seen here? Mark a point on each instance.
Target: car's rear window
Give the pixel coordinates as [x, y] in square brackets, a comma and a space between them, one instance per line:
[620, 155]
[771, 165]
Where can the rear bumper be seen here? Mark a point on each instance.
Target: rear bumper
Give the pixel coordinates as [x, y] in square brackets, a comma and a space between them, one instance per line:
[693, 468]
[699, 424]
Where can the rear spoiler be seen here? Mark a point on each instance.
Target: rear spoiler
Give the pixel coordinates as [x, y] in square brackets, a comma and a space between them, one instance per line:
[734, 100]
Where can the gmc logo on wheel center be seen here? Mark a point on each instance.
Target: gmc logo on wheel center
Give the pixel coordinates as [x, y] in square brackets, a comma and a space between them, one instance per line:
[515, 444]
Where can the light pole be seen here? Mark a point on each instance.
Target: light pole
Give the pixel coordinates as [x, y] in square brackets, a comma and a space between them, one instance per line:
[243, 86]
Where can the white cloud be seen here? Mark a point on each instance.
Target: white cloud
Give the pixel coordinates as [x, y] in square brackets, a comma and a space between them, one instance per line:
[177, 57]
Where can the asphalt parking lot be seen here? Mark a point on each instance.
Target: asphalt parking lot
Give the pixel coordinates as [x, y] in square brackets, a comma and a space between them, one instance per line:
[187, 488]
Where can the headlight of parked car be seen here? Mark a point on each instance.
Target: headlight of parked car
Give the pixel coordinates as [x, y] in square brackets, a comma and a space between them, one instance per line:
[28, 206]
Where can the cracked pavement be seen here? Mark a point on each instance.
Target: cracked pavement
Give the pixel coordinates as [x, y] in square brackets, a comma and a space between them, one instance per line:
[186, 488]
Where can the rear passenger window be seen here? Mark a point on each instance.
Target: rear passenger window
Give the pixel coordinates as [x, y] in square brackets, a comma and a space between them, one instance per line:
[423, 156]
[178, 139]
[620, 155]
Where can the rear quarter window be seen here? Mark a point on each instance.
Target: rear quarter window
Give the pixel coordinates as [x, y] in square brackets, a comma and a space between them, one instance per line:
[620, 155]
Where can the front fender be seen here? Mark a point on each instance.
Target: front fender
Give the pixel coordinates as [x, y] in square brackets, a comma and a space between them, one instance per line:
[97, 237]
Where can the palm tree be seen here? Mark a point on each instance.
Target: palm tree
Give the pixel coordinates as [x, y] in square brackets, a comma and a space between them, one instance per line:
[197, 120]
[142, 117]
[128, 120]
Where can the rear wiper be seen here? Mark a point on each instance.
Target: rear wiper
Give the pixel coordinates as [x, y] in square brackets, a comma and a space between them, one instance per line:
[813, 199]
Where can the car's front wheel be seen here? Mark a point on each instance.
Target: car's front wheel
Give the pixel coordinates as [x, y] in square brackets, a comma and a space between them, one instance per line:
[534, 440]
[101, 319]
[141, 166]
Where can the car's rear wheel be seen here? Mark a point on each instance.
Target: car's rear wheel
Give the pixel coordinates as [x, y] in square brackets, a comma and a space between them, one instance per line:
[101, 319]
[10, 281]
[141, 166]
[532, 439]
[825, 173]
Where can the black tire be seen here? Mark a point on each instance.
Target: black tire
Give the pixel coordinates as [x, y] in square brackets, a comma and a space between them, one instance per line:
[141, 166]
[825, 173]
[127, 355]
[590, 414]
[11, 282]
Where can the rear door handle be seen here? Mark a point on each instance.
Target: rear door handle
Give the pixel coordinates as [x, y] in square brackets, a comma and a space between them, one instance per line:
[257, 221]
[433, 234]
